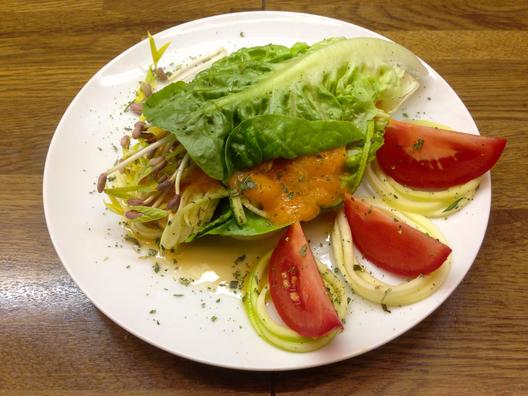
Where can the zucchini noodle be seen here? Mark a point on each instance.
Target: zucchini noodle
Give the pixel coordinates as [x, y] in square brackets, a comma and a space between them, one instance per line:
[257, 294]
[144, 232]
[426, 203]
[372, 289]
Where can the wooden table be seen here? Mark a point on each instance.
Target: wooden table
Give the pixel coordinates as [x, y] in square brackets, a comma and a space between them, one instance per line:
[53, 340]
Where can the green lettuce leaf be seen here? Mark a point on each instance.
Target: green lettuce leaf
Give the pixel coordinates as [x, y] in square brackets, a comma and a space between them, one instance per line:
[336, 79]
[226, 225]
[254, 225]
[266, 137]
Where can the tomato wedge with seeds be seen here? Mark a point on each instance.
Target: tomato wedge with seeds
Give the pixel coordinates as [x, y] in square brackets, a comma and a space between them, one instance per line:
[390, 244]
[426, 157]
[297, 289]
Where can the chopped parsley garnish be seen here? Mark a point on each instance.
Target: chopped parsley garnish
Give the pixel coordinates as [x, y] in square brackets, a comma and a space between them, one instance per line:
[240, 259]
[303, 249]
[185, 281]
[453, 205]
[384, 306]
[213, 318]
[417, 146]
[131, 239]
[152, 311]
[152, 252]
[233, 284]
[156, 267]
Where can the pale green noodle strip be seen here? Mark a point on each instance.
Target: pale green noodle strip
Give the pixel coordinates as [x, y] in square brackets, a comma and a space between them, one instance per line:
[257, 293]
[278, 329]
[427, 203]
[372, 289]
[145, 232]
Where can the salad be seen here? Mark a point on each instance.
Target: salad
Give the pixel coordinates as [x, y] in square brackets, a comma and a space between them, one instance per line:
[269, 137]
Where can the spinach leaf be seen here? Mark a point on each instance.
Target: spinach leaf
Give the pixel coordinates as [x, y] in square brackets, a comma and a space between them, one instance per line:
[269, 136]
[226, 225]
[254, 225]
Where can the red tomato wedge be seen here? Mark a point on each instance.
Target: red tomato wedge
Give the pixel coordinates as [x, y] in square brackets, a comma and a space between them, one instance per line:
[297, 289]
[390, 244]
[426, 157]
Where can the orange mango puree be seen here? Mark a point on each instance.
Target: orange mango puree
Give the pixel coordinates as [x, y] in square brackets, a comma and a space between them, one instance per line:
[294, 190]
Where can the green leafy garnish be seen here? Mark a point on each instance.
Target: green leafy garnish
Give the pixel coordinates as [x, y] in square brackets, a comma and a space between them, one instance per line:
[149, 214]
[126, 192]
[240, 259]
[453, 205]
[417, 146]
[115, 206]
[185, 281]
[156, 53]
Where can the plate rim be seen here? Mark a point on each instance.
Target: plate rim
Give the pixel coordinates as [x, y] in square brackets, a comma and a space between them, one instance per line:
[152, 341]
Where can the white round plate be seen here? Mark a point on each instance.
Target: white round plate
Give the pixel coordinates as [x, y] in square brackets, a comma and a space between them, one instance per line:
[89, 240]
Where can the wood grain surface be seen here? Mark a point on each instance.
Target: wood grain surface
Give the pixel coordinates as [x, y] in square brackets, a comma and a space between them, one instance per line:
[54, 341]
